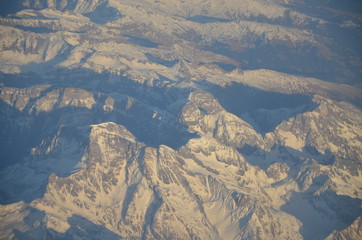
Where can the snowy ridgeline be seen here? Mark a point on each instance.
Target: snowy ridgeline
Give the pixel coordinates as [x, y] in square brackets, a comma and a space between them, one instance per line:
[179, 120]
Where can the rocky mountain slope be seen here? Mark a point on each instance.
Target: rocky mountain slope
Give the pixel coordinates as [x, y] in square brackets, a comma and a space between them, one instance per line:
[180, 119]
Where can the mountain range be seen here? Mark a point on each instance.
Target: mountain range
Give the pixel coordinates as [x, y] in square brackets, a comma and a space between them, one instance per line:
[204, 119]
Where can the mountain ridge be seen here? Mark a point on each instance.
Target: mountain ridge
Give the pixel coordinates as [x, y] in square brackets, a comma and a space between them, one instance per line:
[180, 120]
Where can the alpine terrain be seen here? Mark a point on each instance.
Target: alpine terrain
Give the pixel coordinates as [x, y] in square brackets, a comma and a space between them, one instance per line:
[181, 119]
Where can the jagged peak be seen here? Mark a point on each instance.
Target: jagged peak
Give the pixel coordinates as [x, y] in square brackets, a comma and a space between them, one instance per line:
[113, 129]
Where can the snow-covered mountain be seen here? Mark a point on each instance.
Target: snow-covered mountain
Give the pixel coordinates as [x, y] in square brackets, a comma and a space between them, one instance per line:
[207, 119]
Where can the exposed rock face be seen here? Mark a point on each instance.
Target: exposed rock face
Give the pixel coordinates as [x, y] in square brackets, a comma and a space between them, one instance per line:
[328, 129]
[204, 115]
[120, 174]
[180, 120]
[19, 98]
[109, 104]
